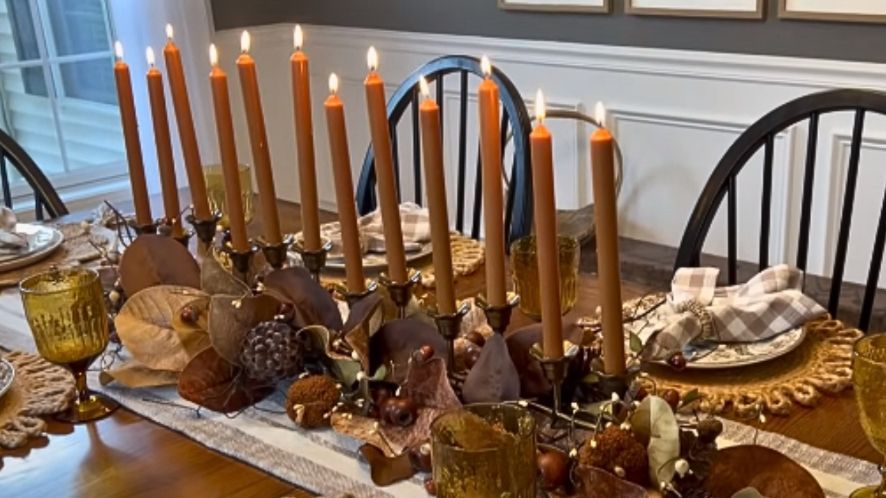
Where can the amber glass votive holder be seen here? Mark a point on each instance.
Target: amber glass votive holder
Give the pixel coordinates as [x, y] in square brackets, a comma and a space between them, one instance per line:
[484, 451]
[524, 268]
[215, 192]
[66, 312]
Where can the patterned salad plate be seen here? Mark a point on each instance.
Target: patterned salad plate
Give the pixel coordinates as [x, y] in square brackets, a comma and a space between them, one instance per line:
[7, 375]
[42, 241]
[717, 356]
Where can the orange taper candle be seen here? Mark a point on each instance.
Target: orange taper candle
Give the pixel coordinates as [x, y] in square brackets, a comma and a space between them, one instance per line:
[546, 234]
[163, 141]
[224, 125]
[182, 106]
[384, 170]
[606, 221]
[493, 205]
[435, 183]
[304, 138]
[133, 143]
[344, 189]
[258, 138]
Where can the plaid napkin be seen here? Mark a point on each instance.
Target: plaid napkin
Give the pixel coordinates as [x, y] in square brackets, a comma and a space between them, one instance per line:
[413, 220]
[767, 305]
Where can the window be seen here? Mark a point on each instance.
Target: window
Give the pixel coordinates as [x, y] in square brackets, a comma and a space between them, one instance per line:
[57, 93]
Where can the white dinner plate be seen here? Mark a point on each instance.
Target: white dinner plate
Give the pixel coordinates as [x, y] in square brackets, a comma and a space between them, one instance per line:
[42, 241]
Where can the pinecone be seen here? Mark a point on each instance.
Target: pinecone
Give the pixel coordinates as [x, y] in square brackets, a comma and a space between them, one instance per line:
[271, 352]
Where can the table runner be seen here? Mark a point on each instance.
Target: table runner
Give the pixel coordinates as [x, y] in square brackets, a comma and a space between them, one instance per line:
[327, 463]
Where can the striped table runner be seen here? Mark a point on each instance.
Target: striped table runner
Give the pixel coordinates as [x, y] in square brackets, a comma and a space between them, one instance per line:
[328, 464]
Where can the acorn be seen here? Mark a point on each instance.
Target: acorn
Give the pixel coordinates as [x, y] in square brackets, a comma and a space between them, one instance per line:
[399, 410]
[672, 397]
[476, 337]
[640, 394]
[423, 353]
[677, 361]
[553, 468]
[285, 312]
[471, 356]
[431, 486]
[709, 429]
[188, 314]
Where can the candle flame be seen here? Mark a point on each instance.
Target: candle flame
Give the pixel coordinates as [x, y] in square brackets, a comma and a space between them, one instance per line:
[540, 106]
[485, 66]
[333, 83]
[245, 41]
[298, 37]
[600, 114]
[423, 86]
[118, 50]
[372, 59]
[213, 54]
[169, 32]
[149, 54]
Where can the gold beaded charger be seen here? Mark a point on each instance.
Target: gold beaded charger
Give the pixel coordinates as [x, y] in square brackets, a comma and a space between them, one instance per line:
[821, 365]
[39, 388]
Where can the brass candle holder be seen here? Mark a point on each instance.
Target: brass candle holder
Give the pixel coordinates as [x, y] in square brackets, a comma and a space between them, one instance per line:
[314, 261]
[241, 261]
[401, 292]
[498, 317]
[277, 254]
[205, 229]
[449, 326]
[353, 298]
[149, 229]
[554, 370]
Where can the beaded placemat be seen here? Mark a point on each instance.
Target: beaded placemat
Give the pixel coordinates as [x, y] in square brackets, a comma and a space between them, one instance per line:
[39, 388]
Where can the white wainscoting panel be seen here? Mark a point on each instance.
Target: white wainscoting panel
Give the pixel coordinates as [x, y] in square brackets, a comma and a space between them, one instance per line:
[674, 113]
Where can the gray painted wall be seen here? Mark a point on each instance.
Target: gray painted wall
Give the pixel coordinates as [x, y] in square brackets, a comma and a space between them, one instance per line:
[831, 40]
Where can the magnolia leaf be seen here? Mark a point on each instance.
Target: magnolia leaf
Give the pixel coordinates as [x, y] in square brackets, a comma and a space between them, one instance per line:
[595, 482]
[387, 470]
[379, 374]
[152, 260]
[358, 328]
[135, 375]
[493, 378]
[428, 385]
[769, 472]
[345, 370]
[395, 342]
[363, 429]
[232, 317]
[214, 279]
[313, 304]
[654, 423]
[145, 327]
[748, 493]
[636, 343]
[213, 382]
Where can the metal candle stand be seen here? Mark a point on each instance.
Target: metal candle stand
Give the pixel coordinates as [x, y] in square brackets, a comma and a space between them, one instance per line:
[401, 292]
[554, 370]
[277, 254]
[314, 261]
[241, 261]
[185, 238]
[449, 326]
[498, 317]
[149, 229]
[205, 229]
[353, 298]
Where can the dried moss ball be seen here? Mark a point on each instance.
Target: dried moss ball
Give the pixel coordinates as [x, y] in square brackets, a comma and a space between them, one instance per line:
[615, 447]
[309, 399]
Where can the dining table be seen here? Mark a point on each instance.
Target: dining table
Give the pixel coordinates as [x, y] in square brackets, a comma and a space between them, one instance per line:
[127, 455]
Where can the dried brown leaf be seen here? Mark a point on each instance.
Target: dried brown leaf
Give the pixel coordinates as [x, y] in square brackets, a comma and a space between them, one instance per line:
[768, 471]
[145, 327]
[214, 383]
[387, 470]
[313, 304]
[594, 482]
[363, 429]
[200, 309]
[428, 385]
[135, 375]
[231, 318]
[214, 279]
[358, 328]
[394, 343]
[157, 260]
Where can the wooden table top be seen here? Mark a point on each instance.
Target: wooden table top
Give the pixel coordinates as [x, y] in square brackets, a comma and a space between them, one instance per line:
[126, 455]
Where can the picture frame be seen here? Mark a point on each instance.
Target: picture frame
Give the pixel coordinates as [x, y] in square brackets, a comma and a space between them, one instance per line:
[870, 11]
[735, 9]
[580, 6]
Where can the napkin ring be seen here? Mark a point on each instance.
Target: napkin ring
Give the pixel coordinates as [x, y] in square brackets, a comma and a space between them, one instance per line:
[700, 312]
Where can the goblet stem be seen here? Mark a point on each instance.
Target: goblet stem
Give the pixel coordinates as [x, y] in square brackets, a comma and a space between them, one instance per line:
[87, 406]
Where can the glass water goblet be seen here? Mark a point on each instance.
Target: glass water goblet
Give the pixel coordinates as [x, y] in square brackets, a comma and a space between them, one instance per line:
[484, 451]
[67, 315]
[215, 191]
[524, 267]
[869, 379]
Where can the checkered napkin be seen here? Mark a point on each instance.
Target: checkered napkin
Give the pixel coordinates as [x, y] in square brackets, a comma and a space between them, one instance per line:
[767, 305]
[413, 220]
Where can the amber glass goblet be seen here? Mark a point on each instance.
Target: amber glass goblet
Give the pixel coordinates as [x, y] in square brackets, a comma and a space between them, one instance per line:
[67, 315]
[484, 451]
[524, 267]
[869, 379]
[215, 192]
